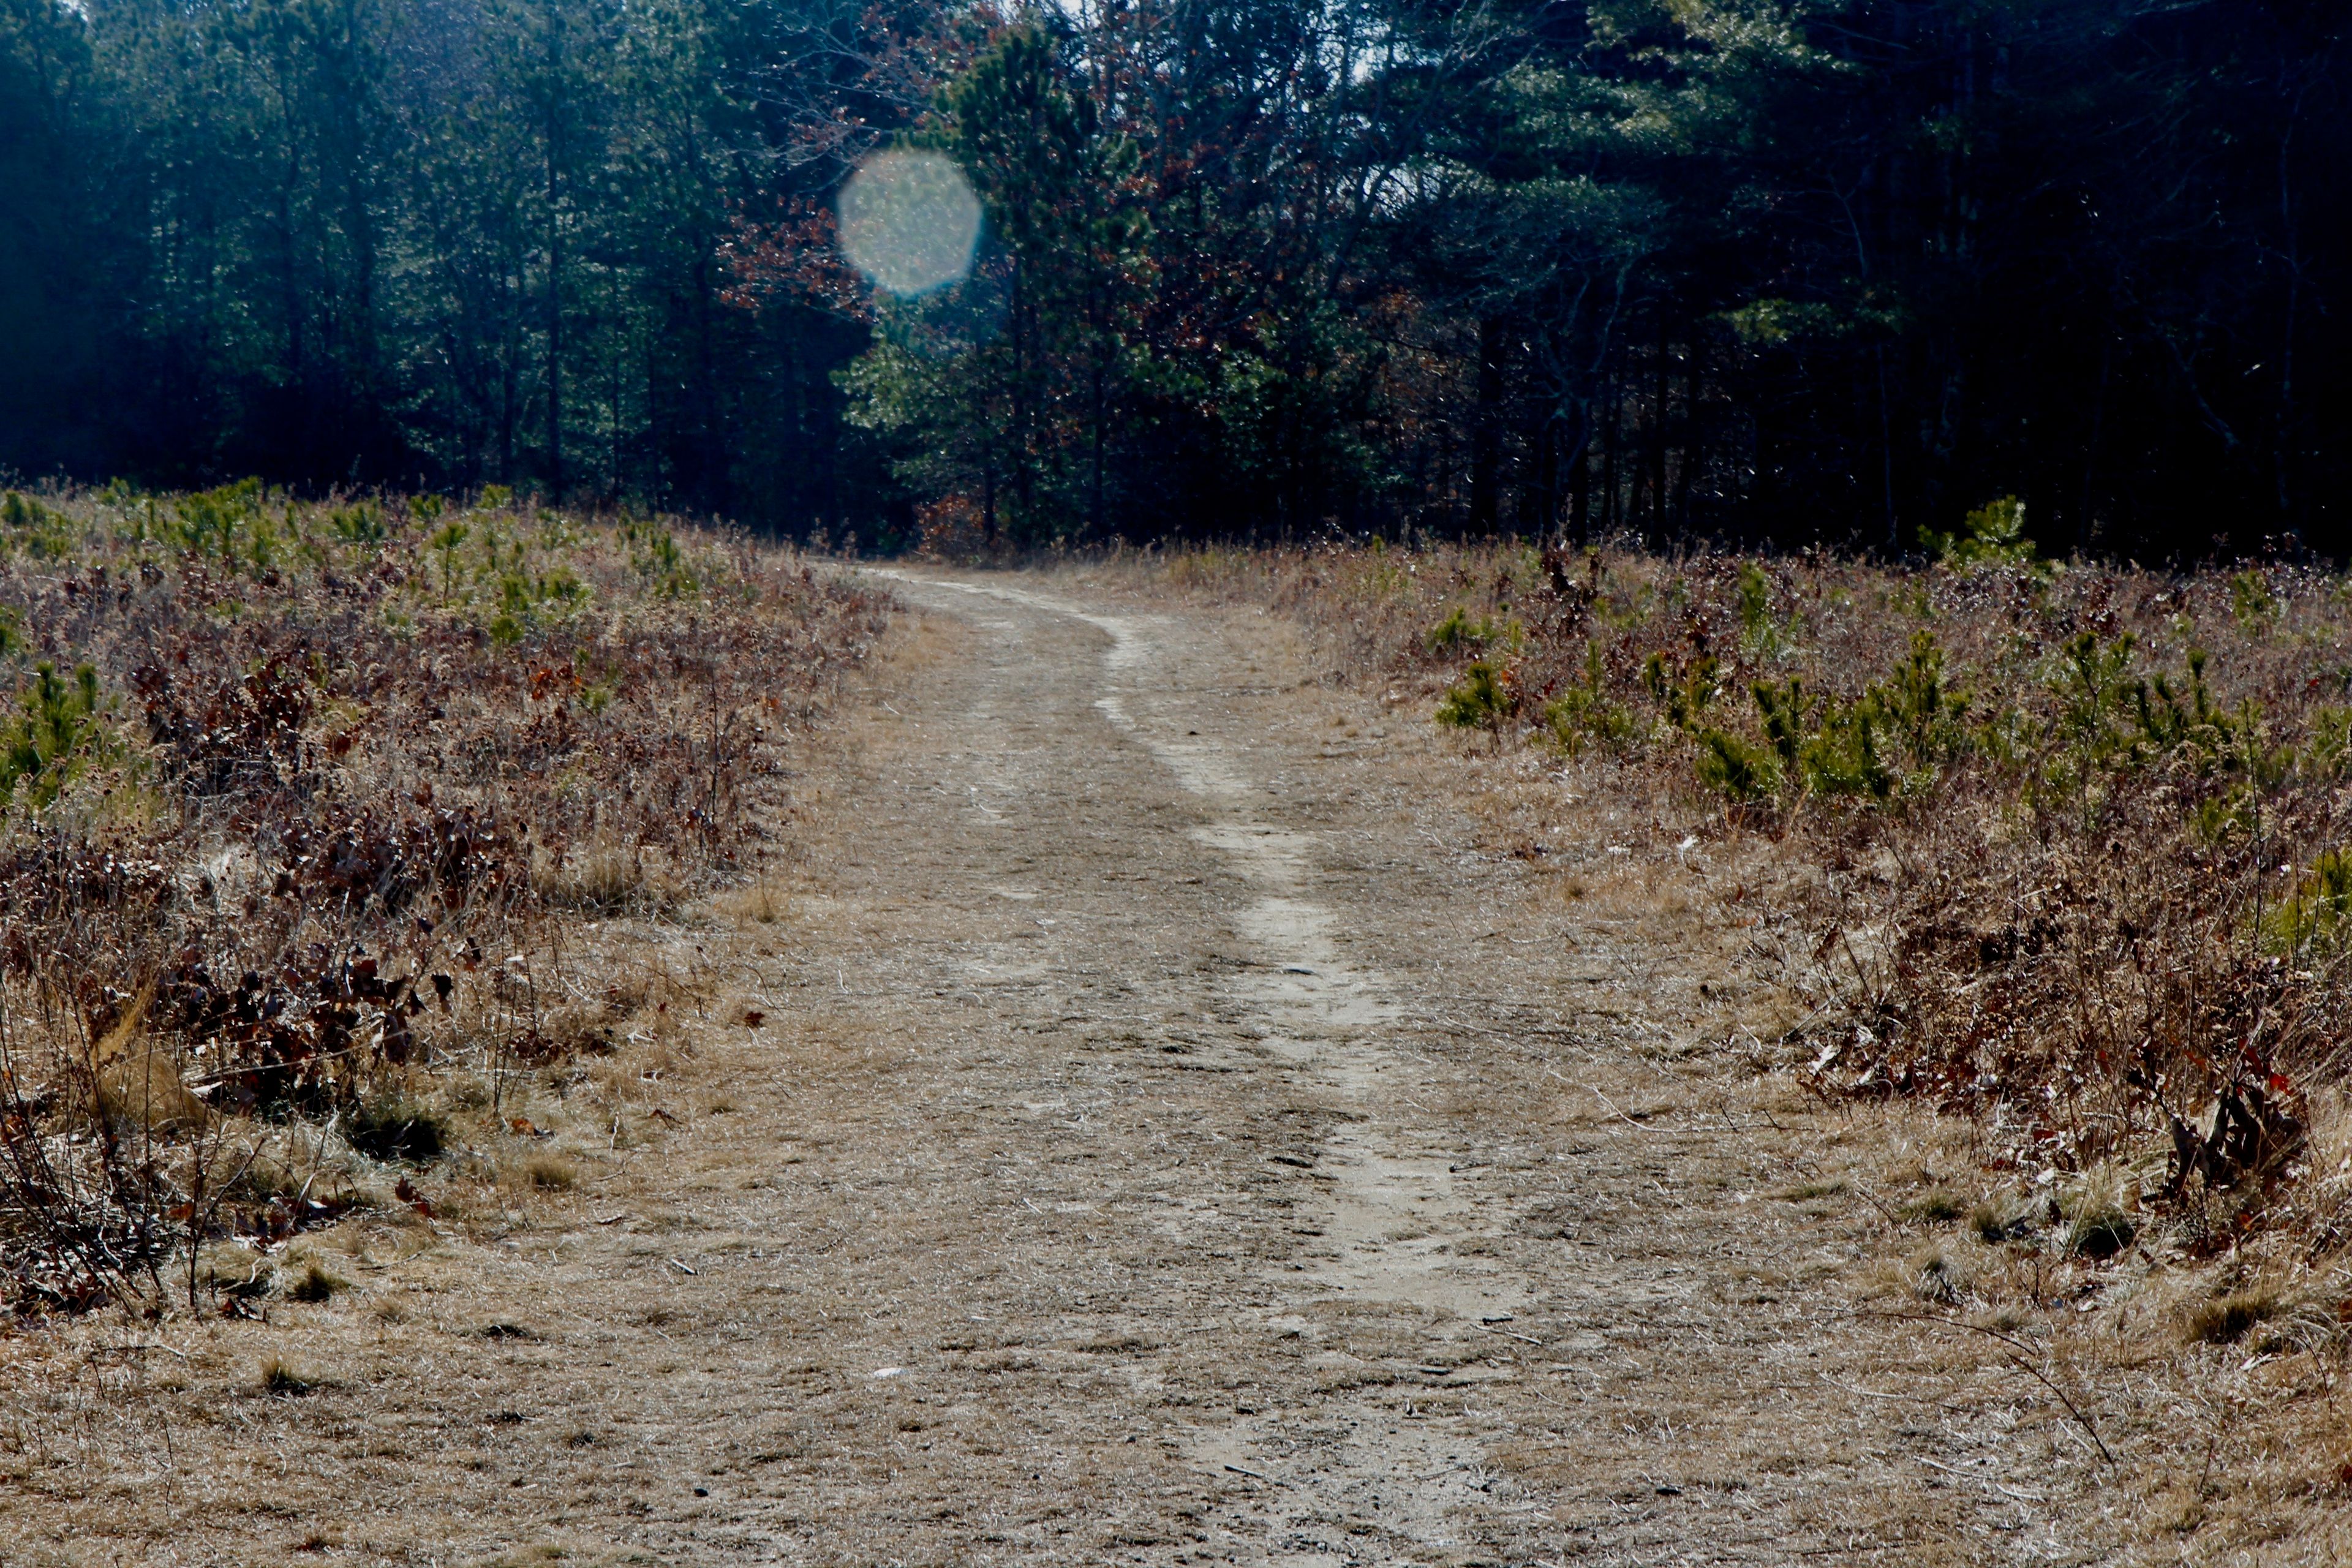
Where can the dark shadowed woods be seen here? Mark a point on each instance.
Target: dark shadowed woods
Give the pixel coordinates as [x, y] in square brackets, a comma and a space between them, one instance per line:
[1764, 270]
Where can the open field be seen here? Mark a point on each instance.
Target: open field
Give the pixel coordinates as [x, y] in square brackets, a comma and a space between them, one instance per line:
[1152, 1096]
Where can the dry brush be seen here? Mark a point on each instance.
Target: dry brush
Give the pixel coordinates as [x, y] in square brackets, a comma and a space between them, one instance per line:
[305, 805]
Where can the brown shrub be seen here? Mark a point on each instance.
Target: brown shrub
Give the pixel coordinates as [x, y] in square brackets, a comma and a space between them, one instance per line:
[316, 817]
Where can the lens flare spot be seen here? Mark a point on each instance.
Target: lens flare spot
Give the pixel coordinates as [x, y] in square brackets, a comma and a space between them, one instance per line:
[909, 221]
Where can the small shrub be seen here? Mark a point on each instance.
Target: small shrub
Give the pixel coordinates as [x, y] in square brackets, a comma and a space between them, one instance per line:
[1484, 701]
[1841, 757]
[1755, 600]
[2328, 745]
[2255, 608]
[1784, 706]
[1992, 535]
[39, 530]
[362, 524]
[1735, 769]
[57, 732]
[1583, 710]
[396, 1128]
[209, 520]
[1683, 694]
[2314, 916]
[1919, 708]
[448, 541]
[1458, 633]
[1761, 638]
[529, 602]
[660, 561]
[1451, 635]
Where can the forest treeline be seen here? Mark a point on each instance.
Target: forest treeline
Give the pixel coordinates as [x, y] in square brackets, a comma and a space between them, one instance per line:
[1783, 270]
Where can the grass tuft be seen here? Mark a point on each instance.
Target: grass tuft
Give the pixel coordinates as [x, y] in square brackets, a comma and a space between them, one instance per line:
[1992, 1221]
[1938, 1206]
[551, 1173]
[279, 1377]
[2229, 1319]
[2100, 1232]
[315, 1284]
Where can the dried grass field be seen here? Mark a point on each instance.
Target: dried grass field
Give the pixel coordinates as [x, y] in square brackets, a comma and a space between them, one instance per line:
[1105, 1078]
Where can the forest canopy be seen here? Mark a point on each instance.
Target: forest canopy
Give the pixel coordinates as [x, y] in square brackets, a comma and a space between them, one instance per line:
[1852, 271]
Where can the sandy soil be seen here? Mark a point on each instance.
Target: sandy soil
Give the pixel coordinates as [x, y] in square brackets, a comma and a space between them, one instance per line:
[1177, 1128]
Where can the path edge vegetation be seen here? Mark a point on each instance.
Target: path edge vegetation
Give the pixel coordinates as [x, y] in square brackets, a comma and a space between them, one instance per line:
[2056, 847]
[309, 814]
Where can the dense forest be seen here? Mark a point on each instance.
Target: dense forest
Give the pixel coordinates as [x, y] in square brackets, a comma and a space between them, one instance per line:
[1764, 270]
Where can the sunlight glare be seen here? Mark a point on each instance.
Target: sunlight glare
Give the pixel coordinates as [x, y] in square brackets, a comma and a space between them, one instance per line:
[909, 221]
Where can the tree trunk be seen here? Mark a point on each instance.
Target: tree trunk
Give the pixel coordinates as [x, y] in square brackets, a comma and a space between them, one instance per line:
[1486, 429]
[716, 483]
[1693, 444]
[1580, 487]
[1612, 516]
[1659, 397]
[509, 390]
[1095, 502]
[1539, 496]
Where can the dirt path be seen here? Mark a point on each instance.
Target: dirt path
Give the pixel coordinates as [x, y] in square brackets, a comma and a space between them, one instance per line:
[1170, 1136]
[1391, 1253]
[1391, 1211]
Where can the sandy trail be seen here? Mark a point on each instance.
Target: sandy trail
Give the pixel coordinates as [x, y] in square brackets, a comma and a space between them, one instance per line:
[1505, 1317]
[1390, 1212]
[1171, 1139]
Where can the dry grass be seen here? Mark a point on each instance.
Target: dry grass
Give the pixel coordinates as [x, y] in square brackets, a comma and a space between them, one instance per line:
[314, 1284]
[282, 1377]
[313, 813]
[551, 1173]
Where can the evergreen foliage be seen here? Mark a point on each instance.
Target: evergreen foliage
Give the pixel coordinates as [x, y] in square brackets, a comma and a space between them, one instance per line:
[1908, 273]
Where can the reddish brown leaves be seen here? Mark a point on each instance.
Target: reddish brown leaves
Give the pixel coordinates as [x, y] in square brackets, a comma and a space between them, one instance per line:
[405, 1191]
